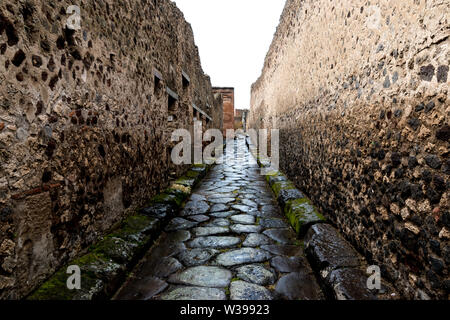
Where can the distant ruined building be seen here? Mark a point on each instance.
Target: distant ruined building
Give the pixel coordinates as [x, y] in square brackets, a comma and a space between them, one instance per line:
[360, 93]
[227, 95]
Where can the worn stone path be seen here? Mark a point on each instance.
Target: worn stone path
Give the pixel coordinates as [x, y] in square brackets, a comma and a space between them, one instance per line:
[229, 242]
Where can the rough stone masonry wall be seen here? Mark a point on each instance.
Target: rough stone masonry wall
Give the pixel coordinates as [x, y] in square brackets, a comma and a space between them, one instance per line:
[84, 131]
[359, 91]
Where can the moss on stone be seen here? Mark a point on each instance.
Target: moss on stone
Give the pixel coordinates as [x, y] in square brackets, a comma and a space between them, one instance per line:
[180, 196]
[55, 288]
[185, 181]
[282, 185]
[137, 228]
[271, 175]
[117, 249]
[301, 213]
[185, 189]
[192, 174]
[167, 199]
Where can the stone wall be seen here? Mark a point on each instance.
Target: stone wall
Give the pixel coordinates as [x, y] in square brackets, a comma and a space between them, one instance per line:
[85, 123]
[359, 91]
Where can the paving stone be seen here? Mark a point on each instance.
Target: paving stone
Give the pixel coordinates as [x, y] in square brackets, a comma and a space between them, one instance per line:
[180, 224]
[269, 214]
[199, 218]
[203, 276]
[221, 200]
[214, 242]
[195, 293]
[160, 267]
[241, 290]
[242, 208]
[286, 195]
[299, 286]
[256, 274]
[289, 264]
[227, 189]
[197, 197]
[256, 240]
[193, 208]
[273, 223]
[350, 284]
[270, 210]
[165, 248]
[179, 236]
[283, 236]
[249, 203]
[196, 257]
[223, 214]
[219, 222]
[207, 231]
[142, 289]
[222, 183]
[219, 208]
[220, 195]
[245, 228]
[243, 219]
[159, 211]
[284, 250]
[242, 256]
[328, 249]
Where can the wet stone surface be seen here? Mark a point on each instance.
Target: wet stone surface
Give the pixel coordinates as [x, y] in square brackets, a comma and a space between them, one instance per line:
[243, 228]
[194, 293]
[256, 274]
[241, 256]
[283, 236]
[241, 290]
[230, 241]
[256, 240]
[243, 219]
[214, 242]
[196, 257]
[203, 276]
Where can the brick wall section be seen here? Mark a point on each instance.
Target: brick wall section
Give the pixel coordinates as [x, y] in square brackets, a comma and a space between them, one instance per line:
[361, 98]
[84, 127]
[228, 107]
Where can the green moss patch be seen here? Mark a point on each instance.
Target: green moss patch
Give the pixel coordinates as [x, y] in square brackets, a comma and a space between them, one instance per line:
[117, 249]
[192, 174]
[282, 185]
[301, 214]
[137, 229]
[167, 199]
[91, 284]
[185, 181]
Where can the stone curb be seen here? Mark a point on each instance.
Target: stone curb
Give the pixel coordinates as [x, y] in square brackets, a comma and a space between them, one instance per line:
[299, 210]
[104, 266]
[341, 270]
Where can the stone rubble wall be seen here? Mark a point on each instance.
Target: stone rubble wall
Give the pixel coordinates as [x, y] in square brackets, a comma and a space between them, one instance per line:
[84, 123]
[342, 272]
[107, 263]
[359, 92]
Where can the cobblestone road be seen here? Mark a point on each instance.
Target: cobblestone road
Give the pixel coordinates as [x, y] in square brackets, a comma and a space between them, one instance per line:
[229, 242]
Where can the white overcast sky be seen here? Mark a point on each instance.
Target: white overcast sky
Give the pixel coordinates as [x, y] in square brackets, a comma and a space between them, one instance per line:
[233, 37]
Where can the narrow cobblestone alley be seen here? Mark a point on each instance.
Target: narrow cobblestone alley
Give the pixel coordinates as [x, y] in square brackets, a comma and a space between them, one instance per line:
[229, 242]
